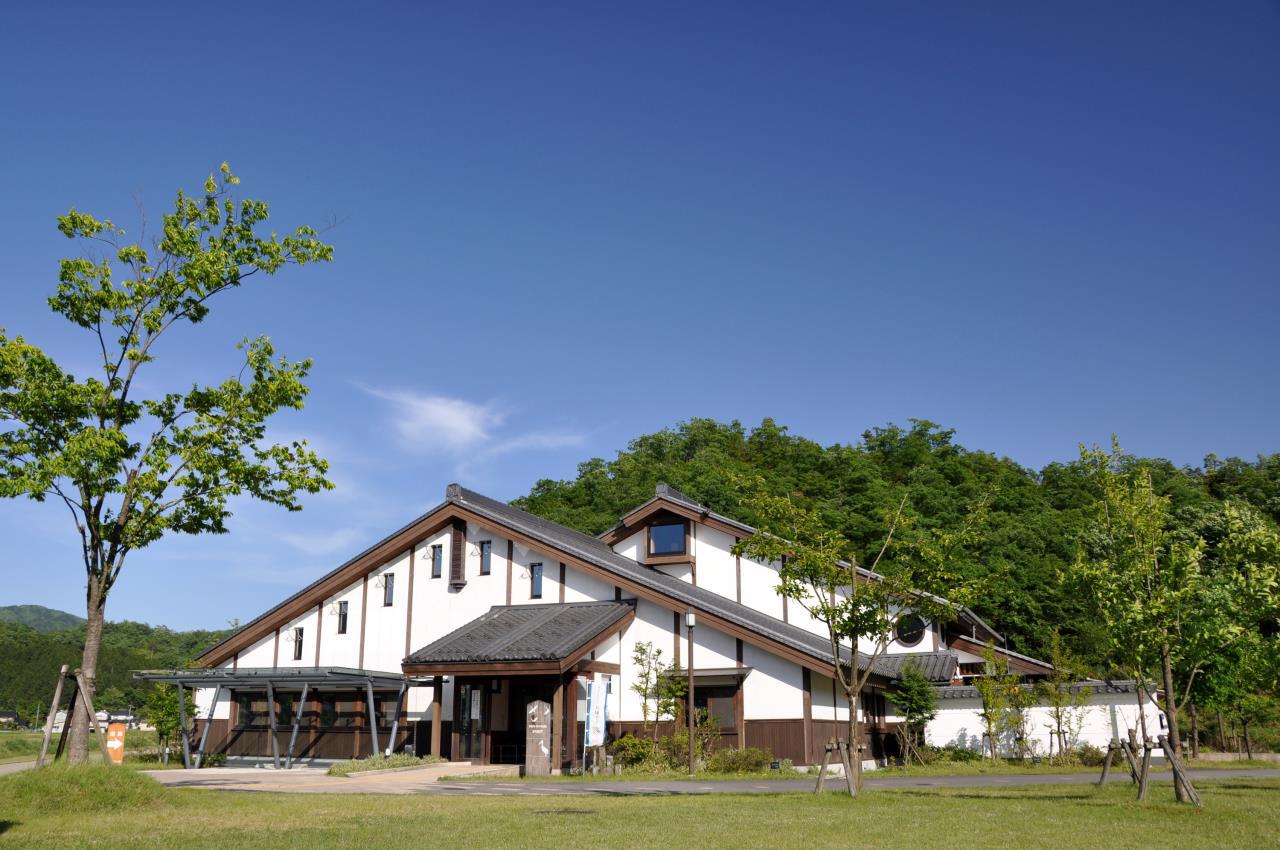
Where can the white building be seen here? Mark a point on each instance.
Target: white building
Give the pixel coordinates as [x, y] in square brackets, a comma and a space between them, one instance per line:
[437, 637]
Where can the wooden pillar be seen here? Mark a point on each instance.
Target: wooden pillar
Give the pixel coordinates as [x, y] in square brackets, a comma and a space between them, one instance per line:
[571, 720]
[739, 713]
[437, 694]
[557, 728]
[807, 678]
[271, 723]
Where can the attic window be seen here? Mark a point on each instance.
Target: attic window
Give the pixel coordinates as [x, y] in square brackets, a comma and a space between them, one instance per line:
[667, 538]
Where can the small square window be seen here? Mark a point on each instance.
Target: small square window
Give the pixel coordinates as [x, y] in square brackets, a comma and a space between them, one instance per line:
[388, 589]
[486, 557]
[437, 560]
[535, 581]
[667, 538]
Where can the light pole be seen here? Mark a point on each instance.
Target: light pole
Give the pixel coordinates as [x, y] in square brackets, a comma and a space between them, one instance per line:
[690, 622]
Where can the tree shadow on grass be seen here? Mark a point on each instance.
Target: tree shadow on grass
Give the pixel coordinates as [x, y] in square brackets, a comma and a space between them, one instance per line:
[1086, 798]
[6, 825]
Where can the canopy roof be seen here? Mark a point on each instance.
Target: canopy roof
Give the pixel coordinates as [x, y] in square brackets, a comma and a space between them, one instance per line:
[524, 638]
[281, 678]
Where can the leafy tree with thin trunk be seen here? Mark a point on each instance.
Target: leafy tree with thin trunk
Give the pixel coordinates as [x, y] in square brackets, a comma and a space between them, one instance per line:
[1064, 697]
[860, 607]
[916, 702]
[1142, 575]
[131, 465]
[995, 687]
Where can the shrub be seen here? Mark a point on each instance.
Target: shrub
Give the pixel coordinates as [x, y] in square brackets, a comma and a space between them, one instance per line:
[746, 760]
[1089, 755]
[950, 753]
[630, 751]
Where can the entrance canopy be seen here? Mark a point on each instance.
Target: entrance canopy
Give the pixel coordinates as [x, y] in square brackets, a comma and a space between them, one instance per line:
[519, 640]
[280, 678]
[273, 679]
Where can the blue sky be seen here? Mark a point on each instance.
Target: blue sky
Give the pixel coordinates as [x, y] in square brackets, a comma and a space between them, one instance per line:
[559, 226]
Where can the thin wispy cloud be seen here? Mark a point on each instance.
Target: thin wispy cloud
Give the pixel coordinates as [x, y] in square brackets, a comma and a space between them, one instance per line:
[468, 430]
[429, 423]
[325, 543]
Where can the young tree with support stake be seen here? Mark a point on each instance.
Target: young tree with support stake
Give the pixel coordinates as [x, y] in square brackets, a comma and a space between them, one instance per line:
[860, 607]
[1140, 575]
[132, 468]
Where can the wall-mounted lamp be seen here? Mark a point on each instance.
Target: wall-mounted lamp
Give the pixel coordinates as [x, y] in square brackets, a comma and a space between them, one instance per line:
[689, 619]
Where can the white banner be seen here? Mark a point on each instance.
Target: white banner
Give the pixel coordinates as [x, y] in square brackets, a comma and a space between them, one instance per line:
[596, 713]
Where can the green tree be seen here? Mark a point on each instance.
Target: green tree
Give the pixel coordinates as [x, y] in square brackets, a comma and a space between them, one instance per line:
[1060, 692]
[161, 711]
[128, 468]
[995, 687]
[916, 702]
[1144, 575]
[860, 606]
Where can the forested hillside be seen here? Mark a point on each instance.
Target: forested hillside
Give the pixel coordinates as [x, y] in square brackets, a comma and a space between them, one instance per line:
[1035, 521]
[29, 661]
[38, 617]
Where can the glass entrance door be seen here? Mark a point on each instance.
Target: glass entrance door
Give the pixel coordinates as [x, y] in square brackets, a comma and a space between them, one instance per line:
[470, 716]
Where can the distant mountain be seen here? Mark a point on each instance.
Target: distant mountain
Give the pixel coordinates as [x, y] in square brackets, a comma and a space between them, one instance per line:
[40, 618]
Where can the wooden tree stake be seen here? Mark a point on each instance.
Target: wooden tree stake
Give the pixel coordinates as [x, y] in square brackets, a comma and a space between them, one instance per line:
[53, 713]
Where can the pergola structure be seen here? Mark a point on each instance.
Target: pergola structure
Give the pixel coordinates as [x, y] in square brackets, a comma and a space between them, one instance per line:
[283, 679]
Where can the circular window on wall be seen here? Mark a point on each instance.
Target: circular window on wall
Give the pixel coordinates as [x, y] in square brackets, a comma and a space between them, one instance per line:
[910, 630]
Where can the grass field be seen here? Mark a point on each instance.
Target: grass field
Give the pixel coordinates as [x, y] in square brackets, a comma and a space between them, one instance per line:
[120, 808]
[25, 746]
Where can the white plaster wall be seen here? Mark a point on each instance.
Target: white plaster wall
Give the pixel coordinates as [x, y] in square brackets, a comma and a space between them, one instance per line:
[307, 622]
[711, 648]
[959, 722]
[629, 547]
[759, 588]
[260, 654]
[774, 689]
[385, 625]
[204, 697]
[582, 587]
[652, 624]
[717, 571]
[341, 650]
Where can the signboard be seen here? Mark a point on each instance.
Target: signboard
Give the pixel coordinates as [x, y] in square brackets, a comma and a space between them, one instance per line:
[115, 742]
[537, 739]
[597, 703]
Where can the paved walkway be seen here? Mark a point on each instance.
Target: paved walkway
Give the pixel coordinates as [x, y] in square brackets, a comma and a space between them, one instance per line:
[427, 781]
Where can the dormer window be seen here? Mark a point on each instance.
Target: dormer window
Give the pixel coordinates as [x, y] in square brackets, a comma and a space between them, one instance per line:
[667, 538]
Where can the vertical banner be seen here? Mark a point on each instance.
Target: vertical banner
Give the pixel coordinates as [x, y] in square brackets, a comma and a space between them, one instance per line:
[115, 742]
[596, 702]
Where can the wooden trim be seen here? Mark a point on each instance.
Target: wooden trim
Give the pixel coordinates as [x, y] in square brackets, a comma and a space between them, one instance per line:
[511, 554]
[562, 572]
[364, 616]
[617, 594]
[408, 615]
[691, 544]
[458, 554]
[275, 650]
[807, 680]
[437, 715]
[739, 708]
[235, 661]
[571, 719]
[1021, 665]
[631, 522]
[737, 570]
[319, 629]
[557, 727]
[597, 666]
[675, 635]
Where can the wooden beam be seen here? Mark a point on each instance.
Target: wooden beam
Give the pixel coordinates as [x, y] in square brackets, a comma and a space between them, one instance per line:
[511, 555]
[437, 695]
[557, 727]
[807, 682]
[364, 616]
[319, 629]
[408, 616]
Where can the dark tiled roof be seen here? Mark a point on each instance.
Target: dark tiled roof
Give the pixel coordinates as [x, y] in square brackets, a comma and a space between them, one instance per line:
[936, 666]
[524, 633]
[598, 553]
[1096, 686]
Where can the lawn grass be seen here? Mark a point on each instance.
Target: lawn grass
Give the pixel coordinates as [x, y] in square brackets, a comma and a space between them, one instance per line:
[115, 809]
[391, 762]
